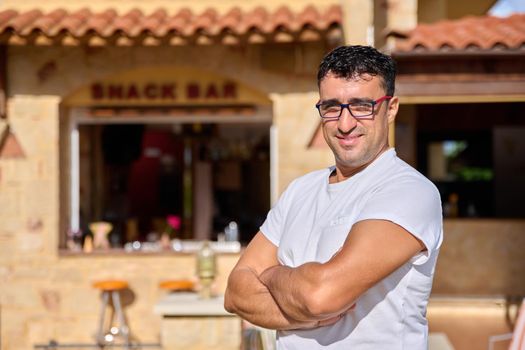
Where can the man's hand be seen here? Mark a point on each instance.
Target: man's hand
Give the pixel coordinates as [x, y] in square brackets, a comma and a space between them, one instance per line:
[249, 298]
[291, 297]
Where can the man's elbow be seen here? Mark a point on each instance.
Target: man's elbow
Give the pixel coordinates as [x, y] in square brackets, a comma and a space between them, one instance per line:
[315, 302]
[229, 304]
[323, 303]
[316, 296]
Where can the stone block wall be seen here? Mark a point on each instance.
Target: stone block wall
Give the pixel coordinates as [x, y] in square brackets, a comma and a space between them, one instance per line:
[54, 299]
[297, 119]
[481, 257]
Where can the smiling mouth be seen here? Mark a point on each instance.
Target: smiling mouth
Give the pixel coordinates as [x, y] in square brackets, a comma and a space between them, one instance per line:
[348, 139]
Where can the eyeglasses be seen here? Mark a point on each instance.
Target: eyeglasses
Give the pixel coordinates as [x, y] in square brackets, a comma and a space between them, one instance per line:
[358, 110]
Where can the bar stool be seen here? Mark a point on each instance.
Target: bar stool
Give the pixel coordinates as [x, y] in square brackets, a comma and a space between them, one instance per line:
[177, 285]
[107, 334]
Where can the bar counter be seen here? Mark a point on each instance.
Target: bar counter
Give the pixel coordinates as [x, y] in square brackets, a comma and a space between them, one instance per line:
[192, 323]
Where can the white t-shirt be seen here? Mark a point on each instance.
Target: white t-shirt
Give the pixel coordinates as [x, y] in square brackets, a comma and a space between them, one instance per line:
[311, 221]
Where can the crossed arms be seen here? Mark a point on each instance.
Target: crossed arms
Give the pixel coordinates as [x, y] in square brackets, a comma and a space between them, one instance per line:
[312, 295]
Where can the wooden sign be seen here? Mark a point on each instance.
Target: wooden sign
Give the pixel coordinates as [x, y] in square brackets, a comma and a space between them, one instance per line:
[170, 91]
[166, 86]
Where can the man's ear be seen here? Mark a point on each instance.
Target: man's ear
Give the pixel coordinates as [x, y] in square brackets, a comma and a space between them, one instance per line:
[393, 106]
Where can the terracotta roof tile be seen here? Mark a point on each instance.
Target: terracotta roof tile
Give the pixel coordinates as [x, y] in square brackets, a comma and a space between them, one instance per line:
[100, 24]
[6, 16]
[255, 20]
[256, 25]
[200, 23]
[231, 19]
[129, 23]
[74, 23]
[469, 33]
[180, 21]
[24, 22]
[332, 15]
[282, 18]
[47, 23]
[156, 24]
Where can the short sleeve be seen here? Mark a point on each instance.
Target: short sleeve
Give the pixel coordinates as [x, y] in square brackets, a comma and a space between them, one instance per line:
[273, 225]
[413, 203]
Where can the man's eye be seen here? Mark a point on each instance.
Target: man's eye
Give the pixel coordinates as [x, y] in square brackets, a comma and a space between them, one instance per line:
[361, 107]
[329, 104]
[332, 108]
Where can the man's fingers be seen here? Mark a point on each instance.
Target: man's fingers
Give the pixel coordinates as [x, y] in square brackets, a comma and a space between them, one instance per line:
[328, 321]
[332, 320]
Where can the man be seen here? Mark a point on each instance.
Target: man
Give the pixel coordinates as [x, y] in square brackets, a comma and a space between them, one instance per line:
[345, 259]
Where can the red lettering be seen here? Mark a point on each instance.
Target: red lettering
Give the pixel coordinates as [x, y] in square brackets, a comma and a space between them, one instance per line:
[212, 91]
[168, 91]
[153, 91]
[229, 90]
[115, 92]
[132, 92]
[193, 91]
[150, 91]
[97, 91]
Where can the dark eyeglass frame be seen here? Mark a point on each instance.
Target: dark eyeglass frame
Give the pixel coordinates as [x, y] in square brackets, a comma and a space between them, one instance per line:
[347, 106]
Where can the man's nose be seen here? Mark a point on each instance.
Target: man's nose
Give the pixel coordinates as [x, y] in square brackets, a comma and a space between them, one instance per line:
[346, 121]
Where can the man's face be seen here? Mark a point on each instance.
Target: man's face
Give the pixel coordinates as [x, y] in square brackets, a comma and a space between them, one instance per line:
[356, 143]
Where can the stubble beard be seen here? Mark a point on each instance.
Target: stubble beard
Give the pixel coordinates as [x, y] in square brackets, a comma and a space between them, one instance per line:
[354, 159]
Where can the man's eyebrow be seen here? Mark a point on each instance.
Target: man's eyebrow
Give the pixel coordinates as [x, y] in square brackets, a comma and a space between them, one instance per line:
[359, 100]
[332, 101]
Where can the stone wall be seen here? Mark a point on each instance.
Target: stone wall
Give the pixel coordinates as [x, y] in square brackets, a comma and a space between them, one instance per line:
[52, 298]
[477, 284]
[293, 114]
[481, 257]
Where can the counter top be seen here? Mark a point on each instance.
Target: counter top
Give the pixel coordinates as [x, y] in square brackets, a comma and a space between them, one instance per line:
[190, 304]
[180, 247]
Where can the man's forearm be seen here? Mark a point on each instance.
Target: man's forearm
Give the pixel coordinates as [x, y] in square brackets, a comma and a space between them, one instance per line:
[249, 298]
[296, 291]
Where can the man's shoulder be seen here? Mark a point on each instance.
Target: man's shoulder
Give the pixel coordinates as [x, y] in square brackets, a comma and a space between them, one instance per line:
[404, 182]
[312, 177]
[399, 178]
[408, 173]
[319, 174]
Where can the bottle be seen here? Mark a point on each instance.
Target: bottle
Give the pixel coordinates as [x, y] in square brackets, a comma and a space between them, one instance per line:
[231, 232]
[206, 269]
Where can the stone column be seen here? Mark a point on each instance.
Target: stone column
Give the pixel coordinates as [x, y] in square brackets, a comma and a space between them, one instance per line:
[400, 15]
[358, 19]
[297, 120]
[30, 184]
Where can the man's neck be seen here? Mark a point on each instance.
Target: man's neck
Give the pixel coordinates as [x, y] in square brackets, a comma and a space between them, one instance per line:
[344, 173]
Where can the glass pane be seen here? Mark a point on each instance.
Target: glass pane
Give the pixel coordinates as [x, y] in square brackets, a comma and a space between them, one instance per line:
[136, 175]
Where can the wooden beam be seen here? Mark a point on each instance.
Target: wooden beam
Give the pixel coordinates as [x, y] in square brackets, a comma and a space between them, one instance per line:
[489, 89]
[3, 82]
[436, 99]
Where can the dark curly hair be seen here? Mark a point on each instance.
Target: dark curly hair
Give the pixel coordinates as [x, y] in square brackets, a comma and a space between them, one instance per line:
[354, 61]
